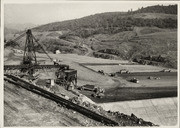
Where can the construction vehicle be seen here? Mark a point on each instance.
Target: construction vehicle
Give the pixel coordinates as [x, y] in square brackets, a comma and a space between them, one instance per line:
[101, 72]
[155, 78]
[67, 78]
[88, 87]
[112, 74]
[29, 64]
[166, 70]
[124, 71]
[134, 80]
[99, 93]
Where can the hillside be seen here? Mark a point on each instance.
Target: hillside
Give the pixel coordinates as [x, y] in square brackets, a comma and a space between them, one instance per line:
[171, 9]
[111, 23]
[114, 22]
[150, 31]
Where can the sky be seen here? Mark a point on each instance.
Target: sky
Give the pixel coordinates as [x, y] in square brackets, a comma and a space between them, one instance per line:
[42, 13]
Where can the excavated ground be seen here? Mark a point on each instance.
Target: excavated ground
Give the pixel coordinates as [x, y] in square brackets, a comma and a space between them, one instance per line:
[20, 112]
[24, 108]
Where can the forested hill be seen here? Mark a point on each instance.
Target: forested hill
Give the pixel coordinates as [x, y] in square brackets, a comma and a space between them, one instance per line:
[114, 22]
[171, 9]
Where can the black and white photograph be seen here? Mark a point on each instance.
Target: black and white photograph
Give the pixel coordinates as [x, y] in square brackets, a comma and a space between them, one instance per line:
[89, 63]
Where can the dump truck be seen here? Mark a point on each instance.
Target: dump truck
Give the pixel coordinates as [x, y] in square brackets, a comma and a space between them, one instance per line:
[124, 71]
[166, 70]
[134, 80]
[88, 87]
[98, 92]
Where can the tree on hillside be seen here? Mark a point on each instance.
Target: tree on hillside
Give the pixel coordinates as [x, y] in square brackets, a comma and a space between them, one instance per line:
[171, 9]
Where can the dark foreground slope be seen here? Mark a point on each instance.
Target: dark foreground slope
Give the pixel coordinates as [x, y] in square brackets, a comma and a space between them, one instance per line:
[24, 108]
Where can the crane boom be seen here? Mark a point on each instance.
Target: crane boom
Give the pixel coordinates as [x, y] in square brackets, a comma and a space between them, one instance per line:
[14, 40]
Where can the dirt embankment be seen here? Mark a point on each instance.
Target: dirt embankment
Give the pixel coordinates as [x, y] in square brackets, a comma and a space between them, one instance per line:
[23, 108]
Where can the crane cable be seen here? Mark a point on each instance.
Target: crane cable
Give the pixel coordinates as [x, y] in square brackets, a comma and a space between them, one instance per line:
[42, 48]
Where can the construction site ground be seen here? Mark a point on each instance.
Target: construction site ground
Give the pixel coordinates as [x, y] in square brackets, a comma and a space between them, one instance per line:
[117, 89]
[87, 76]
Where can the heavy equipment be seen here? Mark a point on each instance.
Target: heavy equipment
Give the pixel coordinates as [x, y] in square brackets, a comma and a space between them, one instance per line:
[88, 87]
[29, 64]
[124, 71]
[99, 93]
[134, 80]
[67, 78]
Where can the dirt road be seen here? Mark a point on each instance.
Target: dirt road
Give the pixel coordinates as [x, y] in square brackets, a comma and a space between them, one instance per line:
[89, 52]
